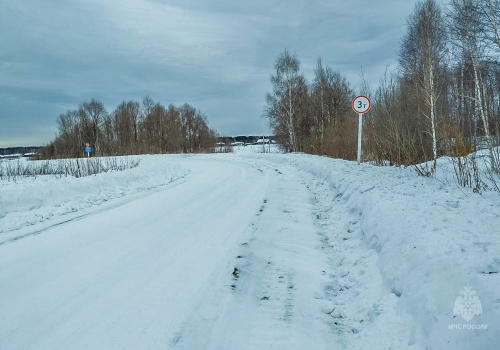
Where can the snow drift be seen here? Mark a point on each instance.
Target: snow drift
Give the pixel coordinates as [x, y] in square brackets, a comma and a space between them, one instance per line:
[432, 239]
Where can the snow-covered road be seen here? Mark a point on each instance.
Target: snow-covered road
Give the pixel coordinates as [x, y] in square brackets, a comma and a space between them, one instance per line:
[156, 272]
[329, 255]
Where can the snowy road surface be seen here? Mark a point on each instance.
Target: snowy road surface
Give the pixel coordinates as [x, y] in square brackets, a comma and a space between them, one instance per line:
[329, 255]
[156, 272]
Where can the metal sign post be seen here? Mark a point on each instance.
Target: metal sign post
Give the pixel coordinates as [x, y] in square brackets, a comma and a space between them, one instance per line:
[361, 105]
[360, 128]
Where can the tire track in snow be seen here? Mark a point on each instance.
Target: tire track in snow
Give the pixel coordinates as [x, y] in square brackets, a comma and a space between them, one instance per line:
[272, 301]
[129, 277]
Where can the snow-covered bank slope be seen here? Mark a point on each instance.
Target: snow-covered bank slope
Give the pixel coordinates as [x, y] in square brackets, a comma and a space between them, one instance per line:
[432, 240]
[27, 201]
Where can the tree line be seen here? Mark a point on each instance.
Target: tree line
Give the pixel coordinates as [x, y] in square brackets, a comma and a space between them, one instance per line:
[132, 128]
[442, 99]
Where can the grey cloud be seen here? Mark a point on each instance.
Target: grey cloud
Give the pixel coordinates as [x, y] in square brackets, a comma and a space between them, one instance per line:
[217, 55]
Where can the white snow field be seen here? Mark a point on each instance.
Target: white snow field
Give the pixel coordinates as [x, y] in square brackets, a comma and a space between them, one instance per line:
[328, 255]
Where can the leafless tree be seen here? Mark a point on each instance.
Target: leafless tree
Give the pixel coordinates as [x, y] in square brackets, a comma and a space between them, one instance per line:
[287, 101]
[131, 129]
[468, 29]
[91, 117]
[330, 106]
[421, 60]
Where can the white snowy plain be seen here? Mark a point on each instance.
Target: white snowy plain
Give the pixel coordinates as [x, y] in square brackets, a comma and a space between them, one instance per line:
[329, 255]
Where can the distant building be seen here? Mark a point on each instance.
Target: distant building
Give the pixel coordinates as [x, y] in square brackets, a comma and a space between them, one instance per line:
[246, 140]
[262, 141]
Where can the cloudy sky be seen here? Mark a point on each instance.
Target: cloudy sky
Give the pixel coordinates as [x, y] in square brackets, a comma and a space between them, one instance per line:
[214, 54]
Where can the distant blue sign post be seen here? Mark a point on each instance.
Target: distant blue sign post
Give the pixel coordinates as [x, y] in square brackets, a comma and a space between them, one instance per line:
[87, 149]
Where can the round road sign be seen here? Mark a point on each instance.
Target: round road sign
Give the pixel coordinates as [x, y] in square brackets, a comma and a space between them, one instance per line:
[361, 104]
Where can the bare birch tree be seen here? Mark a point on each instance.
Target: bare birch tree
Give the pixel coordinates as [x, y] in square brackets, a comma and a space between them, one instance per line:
[468, 28]
[421, 57]
[288, 97]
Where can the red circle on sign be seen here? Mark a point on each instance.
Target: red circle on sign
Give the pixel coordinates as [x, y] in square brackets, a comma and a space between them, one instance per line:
[361, 104]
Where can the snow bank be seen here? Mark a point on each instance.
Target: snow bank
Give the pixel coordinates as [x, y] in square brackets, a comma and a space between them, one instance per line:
[27, 201]
[432, 238]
